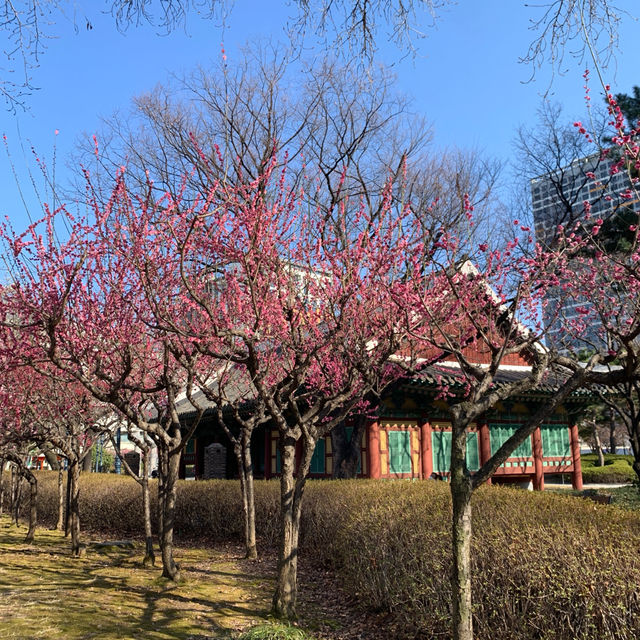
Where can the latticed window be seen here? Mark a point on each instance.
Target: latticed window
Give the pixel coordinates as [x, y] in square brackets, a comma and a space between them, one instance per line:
[441, 447]
[500, 433]
[555, 440]
[399, 452]
[441, 451]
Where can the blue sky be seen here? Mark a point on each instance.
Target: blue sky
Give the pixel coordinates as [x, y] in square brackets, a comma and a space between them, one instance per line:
[466, 79]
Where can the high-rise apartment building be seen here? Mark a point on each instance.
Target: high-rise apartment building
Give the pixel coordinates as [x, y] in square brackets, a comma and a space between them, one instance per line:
[563, 197]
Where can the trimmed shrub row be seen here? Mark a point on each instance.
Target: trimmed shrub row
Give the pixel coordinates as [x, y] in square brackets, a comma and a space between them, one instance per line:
[617, 468]
[546, 566]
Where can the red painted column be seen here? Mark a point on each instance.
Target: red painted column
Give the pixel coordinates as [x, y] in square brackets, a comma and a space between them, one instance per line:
[538, 480]
[373, 448]
[575, 455]
[267, 453]
[426, 456]
[485, 443]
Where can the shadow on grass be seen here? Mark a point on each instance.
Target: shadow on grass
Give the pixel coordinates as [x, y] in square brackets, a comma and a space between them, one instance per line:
[46, 593]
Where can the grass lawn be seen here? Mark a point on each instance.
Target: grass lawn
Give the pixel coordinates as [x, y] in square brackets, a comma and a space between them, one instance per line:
[108, 594]
[627, 497]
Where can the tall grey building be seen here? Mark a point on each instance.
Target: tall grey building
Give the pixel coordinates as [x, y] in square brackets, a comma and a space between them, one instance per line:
[563, 197]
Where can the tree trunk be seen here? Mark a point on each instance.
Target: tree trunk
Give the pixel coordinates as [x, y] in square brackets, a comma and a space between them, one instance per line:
[67, 506]
[74, 507]
[170, 569]
[461, 489]
[51, 458]
[245, 468]
[634, 438]
[33, 507]
[16, 482]
[2, 463]
[613, 441]
[149, 555]
[346, 451]
[596, 440]
[291, 493]
[162, 478]
[60, 522]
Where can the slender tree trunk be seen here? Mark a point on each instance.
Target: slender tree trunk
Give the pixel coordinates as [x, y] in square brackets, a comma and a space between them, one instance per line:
[2, 463]
[634, 438]
[16, 481]
[245, 466]
[149, 555]
[67, 506]
[461, 489]
[162, 482]
[291, 493]
[74, 508]
[60, 521]
[613, 441]
[33, 506]
[596, 439]
[346, 451]
[169, 568]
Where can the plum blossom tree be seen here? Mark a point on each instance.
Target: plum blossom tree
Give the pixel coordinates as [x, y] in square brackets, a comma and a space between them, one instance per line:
[487, 313]
[81, 309]
[144, 444]
[43, 408]
[296, 301]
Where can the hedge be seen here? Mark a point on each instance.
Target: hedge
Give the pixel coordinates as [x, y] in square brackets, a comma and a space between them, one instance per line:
[617, 469]
[546, 566]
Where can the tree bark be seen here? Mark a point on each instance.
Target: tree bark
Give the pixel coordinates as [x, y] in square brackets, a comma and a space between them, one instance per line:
[596, 440]
[461, 489]
[51, 458]
[16, 494]
[33, 506]
[346, 451]
[170, 569]
[74, 507]
[291, 493]
[634, 438]
[67, 506]
[149, 554]
[162, 476]
[2, 463]
[245, 468]
[60, 522]
[613, 441]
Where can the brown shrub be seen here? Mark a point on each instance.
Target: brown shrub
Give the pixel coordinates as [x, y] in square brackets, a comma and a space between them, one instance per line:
[545, 566]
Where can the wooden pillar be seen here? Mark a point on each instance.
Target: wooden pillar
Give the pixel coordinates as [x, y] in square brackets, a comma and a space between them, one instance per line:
[538, 479]
[267, 453]
[485, 443]
[575, 456]
[426, 456]
[373, 449]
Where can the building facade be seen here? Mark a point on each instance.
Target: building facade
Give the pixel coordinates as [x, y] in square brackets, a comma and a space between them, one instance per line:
[590, 188]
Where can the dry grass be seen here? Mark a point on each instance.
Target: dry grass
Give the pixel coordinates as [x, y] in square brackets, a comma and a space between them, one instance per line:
[108, 594]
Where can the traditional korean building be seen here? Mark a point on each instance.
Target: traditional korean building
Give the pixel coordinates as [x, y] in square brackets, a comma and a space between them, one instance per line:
[411, 435]
[411, 438]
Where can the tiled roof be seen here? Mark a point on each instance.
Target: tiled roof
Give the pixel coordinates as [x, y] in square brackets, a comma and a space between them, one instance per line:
[435, 375]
